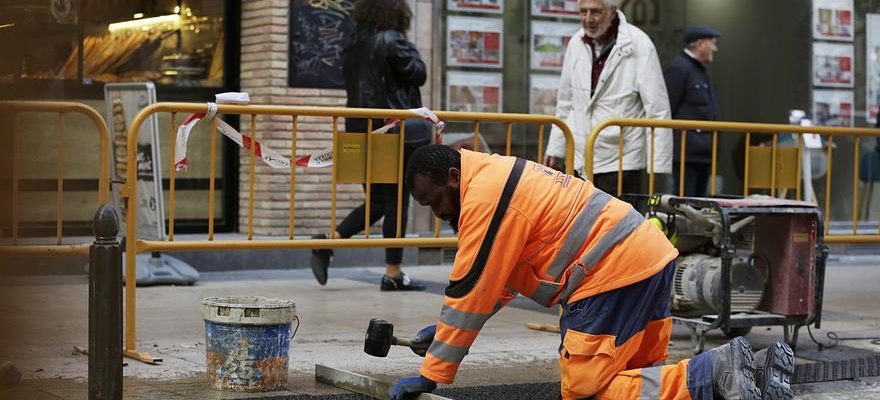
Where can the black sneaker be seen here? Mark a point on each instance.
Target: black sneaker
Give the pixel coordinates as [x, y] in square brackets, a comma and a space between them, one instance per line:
[733, 371]
[321, 261]
[402, 282]
[775, 367]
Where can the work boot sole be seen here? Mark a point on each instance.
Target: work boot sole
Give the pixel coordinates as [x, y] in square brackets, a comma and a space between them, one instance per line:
[742, 357]
[778, 368]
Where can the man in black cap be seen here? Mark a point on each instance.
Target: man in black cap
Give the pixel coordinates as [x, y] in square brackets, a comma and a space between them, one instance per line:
[691, 97]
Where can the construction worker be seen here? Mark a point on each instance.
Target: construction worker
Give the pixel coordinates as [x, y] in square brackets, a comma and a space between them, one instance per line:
[528, 229]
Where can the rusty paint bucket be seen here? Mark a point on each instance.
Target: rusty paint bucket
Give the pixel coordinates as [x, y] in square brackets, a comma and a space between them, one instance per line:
[247, 342]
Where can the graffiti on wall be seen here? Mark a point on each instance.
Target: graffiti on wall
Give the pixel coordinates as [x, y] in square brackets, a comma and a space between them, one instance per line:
[319, 32]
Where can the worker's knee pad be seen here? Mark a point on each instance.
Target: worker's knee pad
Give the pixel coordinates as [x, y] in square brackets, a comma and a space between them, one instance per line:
[587, 363]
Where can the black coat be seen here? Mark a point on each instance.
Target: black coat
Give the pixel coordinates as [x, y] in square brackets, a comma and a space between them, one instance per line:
[691, 97]
[382, 70]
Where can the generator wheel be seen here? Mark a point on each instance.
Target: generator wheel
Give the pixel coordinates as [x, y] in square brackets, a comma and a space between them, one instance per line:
[734, 332]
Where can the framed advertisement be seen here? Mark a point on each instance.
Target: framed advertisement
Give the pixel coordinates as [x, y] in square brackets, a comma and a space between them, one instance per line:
[555, 8]
[489, 6]
[548, 41]
[473, 91]
[833, 64]
[833, 107]
[474, 41]
[542, 93]
[124, 101]
[833, 20]
[872, 69]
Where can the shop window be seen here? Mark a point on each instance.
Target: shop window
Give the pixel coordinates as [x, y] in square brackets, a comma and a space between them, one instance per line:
[169, 42]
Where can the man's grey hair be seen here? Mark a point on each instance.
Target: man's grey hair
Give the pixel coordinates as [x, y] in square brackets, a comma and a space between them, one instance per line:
[612, 3]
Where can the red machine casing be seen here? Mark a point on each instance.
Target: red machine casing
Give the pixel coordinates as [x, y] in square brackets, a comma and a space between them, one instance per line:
[788, 245]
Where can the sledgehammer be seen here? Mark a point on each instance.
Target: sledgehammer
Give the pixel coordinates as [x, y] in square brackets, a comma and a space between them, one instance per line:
[380, 337]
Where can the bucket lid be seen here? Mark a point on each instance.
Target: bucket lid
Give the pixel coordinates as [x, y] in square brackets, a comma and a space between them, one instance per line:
[248, 310]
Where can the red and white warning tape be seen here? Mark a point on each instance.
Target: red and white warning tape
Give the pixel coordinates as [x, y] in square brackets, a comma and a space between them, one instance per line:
[271, 157]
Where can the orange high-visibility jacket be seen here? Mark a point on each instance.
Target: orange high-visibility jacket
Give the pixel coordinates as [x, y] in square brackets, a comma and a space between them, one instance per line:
[525, 228]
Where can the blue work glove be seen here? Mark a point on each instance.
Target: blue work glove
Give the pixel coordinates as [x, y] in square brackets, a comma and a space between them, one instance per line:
[423, 340]
[411, 387]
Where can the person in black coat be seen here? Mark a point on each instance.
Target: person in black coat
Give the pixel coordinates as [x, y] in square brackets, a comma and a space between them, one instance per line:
[692, 97]
[382, 69]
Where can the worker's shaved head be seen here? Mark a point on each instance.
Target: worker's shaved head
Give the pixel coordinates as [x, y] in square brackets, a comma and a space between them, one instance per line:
[432, 161]
[433, 175]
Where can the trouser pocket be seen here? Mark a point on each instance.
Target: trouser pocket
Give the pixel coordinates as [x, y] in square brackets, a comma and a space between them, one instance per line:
[587, 363]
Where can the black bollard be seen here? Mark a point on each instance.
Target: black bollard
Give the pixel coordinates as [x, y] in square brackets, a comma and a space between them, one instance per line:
[105, 307]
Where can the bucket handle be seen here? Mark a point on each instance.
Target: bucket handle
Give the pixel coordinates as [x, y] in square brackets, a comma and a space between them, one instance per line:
[296, 317]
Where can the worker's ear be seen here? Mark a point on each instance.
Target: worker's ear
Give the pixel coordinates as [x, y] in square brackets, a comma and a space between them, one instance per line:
[454, 176]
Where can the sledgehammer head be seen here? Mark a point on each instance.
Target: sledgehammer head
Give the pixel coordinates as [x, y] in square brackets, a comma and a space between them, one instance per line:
[379, 337]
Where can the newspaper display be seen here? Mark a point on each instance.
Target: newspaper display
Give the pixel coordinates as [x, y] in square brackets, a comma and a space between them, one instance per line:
[474, 41]
[490, 6]
[542, 93]
[473, 91]
[833, 107]
[124, 101]
[833, 64]
[555, 8]
[549, 40]
[872, 70]
[833, 20]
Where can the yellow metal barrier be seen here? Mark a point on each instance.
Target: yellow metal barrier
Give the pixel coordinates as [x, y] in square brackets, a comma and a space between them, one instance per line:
[60, 108]
[386, 144]
[777, 159]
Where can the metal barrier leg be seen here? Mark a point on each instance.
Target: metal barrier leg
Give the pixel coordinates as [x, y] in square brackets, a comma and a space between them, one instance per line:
[105, 307]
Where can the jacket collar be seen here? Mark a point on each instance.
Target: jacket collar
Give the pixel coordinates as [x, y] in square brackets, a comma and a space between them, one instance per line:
[688, 55]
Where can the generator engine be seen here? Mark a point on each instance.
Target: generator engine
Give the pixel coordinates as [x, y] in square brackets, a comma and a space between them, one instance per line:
[696, 288]
[697, 284]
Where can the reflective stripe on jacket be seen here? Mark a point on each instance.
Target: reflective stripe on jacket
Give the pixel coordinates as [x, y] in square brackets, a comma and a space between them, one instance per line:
[528, 229]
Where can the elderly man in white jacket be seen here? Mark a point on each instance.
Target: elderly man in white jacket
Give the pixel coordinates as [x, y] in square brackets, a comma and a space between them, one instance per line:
[611, 70]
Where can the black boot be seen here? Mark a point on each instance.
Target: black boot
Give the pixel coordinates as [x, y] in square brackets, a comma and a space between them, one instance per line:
[775, 366]
[733, 371]
[401, 283]
[321, 261]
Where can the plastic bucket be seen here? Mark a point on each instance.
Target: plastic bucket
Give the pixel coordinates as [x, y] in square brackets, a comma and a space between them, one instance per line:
[247, 341]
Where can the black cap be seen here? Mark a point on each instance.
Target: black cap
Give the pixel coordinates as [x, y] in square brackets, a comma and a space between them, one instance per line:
[695, 33]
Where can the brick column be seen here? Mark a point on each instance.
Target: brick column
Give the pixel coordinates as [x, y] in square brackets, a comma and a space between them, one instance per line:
[264, 63]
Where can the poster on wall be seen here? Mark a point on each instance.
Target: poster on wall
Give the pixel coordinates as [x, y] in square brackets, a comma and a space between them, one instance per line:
[555, 8]
[124, 102]
[833, 64]
[833, 107]
[473, 91]
[474, 41]
[872, 70]
[542, 93]
[492, 6]
[548, 43]
[833, 20]
[319, 31]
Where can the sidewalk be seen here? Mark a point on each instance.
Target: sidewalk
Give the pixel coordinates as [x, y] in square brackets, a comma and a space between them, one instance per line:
[47, 316]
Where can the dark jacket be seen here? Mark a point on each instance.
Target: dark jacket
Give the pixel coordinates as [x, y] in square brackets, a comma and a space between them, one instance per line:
[691, 97]
[382, 70]
[877, 125]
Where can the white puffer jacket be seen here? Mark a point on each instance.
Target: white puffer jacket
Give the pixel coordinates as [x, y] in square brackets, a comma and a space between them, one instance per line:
[631, 86]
